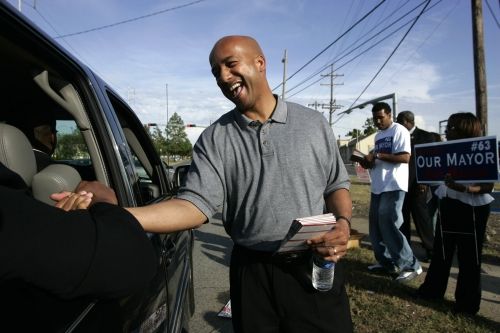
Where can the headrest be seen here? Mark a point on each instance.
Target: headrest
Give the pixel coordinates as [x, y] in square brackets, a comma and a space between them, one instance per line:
[52, 179]
[16, 152]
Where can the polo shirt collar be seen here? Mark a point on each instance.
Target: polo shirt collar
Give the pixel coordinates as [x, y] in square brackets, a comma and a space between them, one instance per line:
[279, 115]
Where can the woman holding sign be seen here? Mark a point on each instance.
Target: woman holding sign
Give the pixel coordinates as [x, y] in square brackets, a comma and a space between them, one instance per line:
[464, 209]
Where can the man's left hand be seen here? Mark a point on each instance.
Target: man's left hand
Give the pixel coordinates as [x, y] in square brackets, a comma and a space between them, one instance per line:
[332, 245]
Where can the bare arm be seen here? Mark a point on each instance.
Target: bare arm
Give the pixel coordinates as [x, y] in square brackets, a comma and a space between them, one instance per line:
[168, 216]
[479, 188]
[164, 217]
[394, 158]
[333, 244]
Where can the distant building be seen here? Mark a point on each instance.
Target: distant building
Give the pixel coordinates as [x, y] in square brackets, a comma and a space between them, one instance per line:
[362, 143]
[343, 142]
[193, 132]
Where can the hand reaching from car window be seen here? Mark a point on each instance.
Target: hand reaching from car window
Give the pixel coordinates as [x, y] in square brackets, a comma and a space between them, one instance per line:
[101, 192]
[72, 201]
[86, 194]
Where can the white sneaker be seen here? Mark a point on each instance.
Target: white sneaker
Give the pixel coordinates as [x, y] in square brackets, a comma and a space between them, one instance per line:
[376, 267]
[408, 275]
[381, 268]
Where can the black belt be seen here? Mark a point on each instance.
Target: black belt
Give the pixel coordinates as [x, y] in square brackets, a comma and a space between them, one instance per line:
[273, 257]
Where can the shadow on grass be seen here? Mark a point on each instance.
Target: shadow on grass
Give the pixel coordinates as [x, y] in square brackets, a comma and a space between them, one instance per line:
[491, 259]
[377, 297]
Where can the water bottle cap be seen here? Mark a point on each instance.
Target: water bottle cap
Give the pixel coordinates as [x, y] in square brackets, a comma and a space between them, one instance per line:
[328, 264]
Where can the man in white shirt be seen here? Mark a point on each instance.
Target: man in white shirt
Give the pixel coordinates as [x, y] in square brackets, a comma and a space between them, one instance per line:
[388, 164]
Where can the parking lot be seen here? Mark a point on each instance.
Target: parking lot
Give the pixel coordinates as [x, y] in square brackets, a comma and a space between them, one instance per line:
[212, 250]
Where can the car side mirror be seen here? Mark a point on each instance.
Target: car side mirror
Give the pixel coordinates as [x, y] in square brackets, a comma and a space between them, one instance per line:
[179, 178]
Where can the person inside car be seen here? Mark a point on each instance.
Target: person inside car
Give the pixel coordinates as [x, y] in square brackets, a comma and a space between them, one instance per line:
[52, 261]
[40, 129]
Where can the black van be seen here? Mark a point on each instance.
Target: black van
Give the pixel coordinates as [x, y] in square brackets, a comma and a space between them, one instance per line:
[102, 138]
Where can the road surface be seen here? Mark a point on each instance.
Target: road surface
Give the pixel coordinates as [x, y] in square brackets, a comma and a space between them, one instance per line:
[212, 250]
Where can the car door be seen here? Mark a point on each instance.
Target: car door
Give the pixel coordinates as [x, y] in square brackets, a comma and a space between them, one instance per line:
[149, 183]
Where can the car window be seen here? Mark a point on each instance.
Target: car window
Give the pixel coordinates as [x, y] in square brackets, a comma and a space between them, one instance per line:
[150, 181]
[71, 147]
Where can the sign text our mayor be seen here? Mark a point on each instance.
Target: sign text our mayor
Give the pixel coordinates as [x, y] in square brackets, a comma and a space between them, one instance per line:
[474, 159]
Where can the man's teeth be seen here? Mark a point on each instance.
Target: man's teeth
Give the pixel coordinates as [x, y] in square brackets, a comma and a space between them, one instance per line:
[234, 86]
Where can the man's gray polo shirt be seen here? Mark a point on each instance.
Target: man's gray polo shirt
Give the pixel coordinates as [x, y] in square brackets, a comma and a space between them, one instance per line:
[265, 175]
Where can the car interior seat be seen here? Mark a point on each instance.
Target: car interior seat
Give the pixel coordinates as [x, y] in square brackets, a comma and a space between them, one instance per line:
[16, 154]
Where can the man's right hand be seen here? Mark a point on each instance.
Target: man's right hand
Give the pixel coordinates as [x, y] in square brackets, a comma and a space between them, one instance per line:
[101, 193]
[369, 161]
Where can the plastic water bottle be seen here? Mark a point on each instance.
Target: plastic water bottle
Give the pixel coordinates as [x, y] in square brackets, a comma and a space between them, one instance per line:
[323, 272]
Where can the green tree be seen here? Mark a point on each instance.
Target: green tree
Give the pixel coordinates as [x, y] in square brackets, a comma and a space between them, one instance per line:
[177, 142]
[71, 146]
[354, 133]
[369, 127]
[159, 140]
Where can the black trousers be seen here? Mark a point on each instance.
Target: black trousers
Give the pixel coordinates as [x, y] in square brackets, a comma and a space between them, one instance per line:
[455, 228]
[269, 294]
[415, 204]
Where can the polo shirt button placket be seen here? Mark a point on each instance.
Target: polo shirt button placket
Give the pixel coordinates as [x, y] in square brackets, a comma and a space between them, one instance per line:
[266, 149]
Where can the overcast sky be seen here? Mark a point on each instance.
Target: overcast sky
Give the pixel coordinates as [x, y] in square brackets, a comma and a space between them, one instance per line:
[431, 72]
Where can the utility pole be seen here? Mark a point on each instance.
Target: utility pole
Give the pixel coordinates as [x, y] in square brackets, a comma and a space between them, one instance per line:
[166, 127]
[284, 61]
[131, 97]
[479, 64]
[332, 106]
[315, 104]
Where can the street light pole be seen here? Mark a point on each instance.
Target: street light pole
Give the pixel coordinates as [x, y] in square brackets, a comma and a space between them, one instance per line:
[394, 107]
[284, 61]
[375, 100]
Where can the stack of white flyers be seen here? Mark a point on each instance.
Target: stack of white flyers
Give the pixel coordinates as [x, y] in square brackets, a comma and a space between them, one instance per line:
[305, 228]
[226, 311]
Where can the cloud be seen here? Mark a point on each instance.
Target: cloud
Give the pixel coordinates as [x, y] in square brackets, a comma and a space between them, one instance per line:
[431, 72]
[416, 83]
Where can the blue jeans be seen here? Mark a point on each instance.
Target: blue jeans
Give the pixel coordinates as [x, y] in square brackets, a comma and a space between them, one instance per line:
[389, 244]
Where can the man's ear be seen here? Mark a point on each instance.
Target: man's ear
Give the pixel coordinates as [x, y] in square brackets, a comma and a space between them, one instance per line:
[261, 63]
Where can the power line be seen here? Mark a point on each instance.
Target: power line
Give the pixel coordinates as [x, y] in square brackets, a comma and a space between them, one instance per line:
[353, 58]
[130, 20]
[80, 56]
[425, 40]
[390, 56]
[336, 40]
[492, 13]
[392, 53]
[376, 34]
[381, 30]
[55, 30]
[309, 85]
